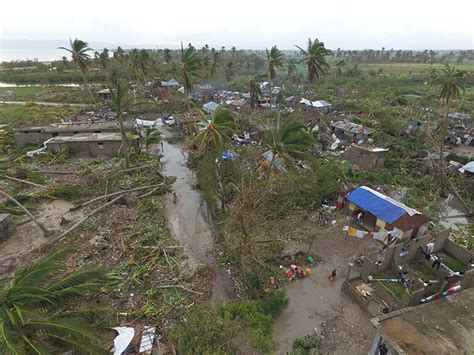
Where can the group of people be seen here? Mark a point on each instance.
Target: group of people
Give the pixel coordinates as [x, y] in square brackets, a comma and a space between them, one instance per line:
[297, 272]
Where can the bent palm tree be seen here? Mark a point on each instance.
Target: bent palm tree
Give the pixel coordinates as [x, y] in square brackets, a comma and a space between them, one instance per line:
[121, 100]
[189, 67]
[213, 137]
[315, 58]
[291, 68]
[274, 61]
[82, 59]
[37, 313]
[451, 87]
[254, 90]
[288, 139]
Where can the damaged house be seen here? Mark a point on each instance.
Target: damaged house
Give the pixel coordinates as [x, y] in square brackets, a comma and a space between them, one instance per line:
[38, 135]
[92, 144]
[378, 212]
[363, 157]
[351, 131]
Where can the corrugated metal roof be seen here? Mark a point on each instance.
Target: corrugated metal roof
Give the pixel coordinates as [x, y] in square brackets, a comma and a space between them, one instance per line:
[352, 127]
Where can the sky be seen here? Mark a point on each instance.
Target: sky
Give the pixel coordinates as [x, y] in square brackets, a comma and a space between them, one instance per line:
[249, 24]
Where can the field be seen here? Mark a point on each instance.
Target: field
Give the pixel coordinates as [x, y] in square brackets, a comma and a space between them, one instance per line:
[60, 94]
[32, 114]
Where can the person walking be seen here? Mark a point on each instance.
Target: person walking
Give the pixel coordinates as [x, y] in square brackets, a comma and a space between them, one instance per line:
[332, 277]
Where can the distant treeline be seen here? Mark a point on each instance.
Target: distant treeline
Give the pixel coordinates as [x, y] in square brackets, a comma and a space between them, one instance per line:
[403, 56]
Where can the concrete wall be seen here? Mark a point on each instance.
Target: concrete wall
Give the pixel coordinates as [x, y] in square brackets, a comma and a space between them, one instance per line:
[354, 295]
[458, 252]
[364, 158]
[91, 149]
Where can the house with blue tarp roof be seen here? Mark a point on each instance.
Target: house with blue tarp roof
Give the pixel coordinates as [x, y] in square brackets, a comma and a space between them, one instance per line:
[378, 212]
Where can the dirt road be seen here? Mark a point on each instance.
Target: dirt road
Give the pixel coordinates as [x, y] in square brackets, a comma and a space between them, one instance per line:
[189, 217]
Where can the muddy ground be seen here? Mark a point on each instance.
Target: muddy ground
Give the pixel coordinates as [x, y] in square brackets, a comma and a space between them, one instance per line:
[317, 304]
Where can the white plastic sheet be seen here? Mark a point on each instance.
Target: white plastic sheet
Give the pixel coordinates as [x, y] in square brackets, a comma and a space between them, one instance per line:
[123, 339]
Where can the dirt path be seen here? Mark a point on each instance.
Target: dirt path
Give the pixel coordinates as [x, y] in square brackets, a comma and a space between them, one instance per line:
[189, 218]
[317, 303]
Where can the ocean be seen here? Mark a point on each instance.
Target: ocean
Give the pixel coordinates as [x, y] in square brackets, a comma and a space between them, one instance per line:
[42, 55]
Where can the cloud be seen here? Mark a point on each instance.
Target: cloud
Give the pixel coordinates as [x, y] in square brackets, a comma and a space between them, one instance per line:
[349, 24]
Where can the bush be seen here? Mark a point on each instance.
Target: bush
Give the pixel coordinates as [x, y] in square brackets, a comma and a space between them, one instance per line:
[217, 328]
[308, 345]
[275, 303]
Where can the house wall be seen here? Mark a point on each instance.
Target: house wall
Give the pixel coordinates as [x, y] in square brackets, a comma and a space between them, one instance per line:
[92, 149]
[364, 158]
[26, 137]
[23, 138]
[458, 252]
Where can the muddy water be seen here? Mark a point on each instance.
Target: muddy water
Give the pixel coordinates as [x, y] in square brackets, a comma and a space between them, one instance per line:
[312, 301]
[189, 217]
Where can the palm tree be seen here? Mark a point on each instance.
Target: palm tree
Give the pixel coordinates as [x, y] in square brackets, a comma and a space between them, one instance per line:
[39, 313]
[120, 101]
[254, 90]
[151, 136]
[189, 67]
[291, 68]
[288, 139]
[340, 64]
[274, 61]
[213, 137]
[451, 87]
[315, 58]
[81, 58]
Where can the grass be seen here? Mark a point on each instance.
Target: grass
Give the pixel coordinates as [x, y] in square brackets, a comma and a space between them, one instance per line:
[49, 94]
[32, 114]
[395, 287]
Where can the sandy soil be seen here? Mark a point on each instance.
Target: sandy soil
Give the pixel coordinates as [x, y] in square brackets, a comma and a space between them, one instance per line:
[29, 237]
[189, 218]
[317, 304]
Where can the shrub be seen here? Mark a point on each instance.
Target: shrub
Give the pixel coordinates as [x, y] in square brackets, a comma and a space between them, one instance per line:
[308, 345]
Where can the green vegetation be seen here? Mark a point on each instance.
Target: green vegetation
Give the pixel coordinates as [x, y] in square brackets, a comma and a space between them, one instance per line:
[308, 345]
[66, 94]
[228, 327]
[33, 114]
[38, 312]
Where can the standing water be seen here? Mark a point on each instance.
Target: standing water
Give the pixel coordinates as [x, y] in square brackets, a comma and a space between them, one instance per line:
[189, 217]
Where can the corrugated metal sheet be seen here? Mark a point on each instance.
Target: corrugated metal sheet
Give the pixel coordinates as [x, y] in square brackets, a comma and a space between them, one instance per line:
[352, 127]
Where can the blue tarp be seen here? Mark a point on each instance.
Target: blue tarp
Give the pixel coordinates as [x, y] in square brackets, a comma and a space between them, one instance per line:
[379, 207]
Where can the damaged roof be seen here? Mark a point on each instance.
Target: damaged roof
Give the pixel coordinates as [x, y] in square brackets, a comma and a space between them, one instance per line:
[352, 127]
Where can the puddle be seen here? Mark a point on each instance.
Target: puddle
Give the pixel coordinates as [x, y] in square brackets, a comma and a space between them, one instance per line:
[189, 217]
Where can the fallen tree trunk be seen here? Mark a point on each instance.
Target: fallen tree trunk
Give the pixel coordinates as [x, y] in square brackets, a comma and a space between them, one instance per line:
[23, 181]
[45, 230]
[114, 194]
[82, 220]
